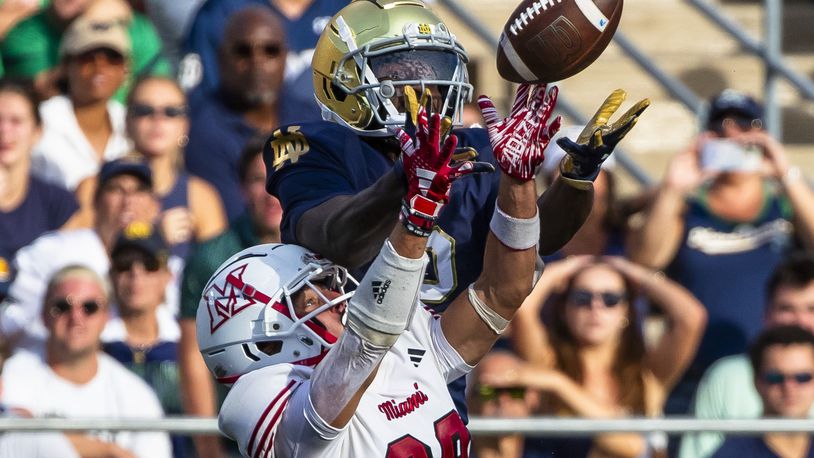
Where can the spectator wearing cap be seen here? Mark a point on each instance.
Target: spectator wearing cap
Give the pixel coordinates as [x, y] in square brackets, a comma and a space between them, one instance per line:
[32, 48]
[85, 127]
[73, 378]
[260, 224]
[726, 390]
[143, 335]
[728, 211]
[124, 195]
[252, 63]
[783, 363]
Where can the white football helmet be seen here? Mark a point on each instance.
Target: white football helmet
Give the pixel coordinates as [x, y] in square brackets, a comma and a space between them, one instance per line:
[246, 317]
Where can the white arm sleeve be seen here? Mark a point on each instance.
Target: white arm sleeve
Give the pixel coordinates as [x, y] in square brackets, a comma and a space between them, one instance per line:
[452, 365]
[386, 297]
[343, 371]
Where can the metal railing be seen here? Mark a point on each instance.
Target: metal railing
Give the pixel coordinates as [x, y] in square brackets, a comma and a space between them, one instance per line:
[532, 427]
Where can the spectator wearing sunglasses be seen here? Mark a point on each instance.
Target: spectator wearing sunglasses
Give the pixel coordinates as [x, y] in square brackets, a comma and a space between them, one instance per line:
[143, 335]
[729, 210]
[72, 378]
[85, 127]
[488, 400]
[124, 195]
[726, 390]
[31, 48]
[783, 363]
[157, 124]
[247, 102]
[589, 359]
[303, 22]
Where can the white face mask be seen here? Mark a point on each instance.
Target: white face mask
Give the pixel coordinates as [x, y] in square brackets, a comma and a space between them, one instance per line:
[722, 155]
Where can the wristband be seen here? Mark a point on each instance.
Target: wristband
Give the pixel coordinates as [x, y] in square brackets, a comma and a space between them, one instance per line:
[419, 215]
[792, 175]
[515, 233]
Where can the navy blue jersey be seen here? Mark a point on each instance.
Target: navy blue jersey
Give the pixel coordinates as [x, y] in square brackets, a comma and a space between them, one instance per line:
[302, 34]
[324, 160]
[46, 207]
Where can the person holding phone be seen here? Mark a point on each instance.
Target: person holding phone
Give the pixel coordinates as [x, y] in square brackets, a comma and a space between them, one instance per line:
[729, 210]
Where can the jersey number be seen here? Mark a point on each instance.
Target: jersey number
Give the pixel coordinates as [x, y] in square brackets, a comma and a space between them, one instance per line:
[441, 277]
[451, 433]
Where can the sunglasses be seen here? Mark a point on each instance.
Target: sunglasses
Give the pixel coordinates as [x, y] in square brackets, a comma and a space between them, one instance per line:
[126, 263]
[138, 110]
[778, 378]
[741, 122]
[111, 56]
[584, 298]
[63, 306]
[245, 50]
[489, 393]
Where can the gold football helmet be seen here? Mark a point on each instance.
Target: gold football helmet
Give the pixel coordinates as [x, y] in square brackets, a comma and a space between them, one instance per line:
[372, 49]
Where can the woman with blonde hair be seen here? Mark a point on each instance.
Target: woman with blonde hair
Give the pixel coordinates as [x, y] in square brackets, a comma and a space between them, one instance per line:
[588, 357]
[157, 124]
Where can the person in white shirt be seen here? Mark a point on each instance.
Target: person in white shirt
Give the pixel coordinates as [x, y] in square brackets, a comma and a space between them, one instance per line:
[124, 195]
[14, 444]
[272, 318]
[74, 379]
[85, 127]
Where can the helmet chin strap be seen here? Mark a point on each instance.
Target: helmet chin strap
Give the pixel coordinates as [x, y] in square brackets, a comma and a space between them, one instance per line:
[347, 36]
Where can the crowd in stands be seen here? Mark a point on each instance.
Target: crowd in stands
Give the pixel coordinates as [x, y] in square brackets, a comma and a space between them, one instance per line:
[131, 167]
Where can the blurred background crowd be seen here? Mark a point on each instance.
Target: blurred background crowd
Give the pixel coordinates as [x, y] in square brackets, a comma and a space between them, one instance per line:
[131, 137]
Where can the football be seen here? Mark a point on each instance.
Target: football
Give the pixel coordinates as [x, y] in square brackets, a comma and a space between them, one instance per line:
[550, 40]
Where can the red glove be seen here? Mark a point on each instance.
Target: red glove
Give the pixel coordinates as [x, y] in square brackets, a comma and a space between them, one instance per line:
[520, 140]
[429, 174]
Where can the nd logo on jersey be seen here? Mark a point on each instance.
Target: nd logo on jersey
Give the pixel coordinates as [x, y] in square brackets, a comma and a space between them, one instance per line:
[288, 146]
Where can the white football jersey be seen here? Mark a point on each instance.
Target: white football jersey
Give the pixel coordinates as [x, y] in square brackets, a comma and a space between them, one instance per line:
[406, 411]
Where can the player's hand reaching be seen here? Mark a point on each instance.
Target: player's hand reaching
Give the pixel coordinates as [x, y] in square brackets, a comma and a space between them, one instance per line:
[598, 139]
[426, 164]
[519, 141]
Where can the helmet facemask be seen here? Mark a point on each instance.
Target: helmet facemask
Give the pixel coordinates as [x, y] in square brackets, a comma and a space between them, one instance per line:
[424, 56]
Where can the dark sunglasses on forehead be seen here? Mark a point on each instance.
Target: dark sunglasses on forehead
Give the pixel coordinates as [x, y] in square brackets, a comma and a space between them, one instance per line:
[583, 298]
[245, 50]
[489, 393]
[778, 378]
[140, 110]
[64, 305]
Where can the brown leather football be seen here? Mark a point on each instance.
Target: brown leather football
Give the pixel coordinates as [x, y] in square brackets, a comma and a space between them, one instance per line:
[550, 40]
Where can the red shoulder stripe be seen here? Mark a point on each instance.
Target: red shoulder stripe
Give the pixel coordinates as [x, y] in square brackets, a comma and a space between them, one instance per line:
[262, 419]
[270, 427]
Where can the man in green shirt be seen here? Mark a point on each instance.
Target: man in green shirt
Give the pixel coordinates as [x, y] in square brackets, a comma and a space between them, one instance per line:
[260, 224]
[727, 389]
[31, 48]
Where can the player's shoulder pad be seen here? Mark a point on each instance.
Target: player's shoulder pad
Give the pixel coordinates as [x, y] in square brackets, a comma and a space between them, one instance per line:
[290, 143]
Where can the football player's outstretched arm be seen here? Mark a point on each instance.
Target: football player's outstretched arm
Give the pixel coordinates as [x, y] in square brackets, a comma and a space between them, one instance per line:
[376, 320]
[567, 202]
[343, 228]
[475, 319]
